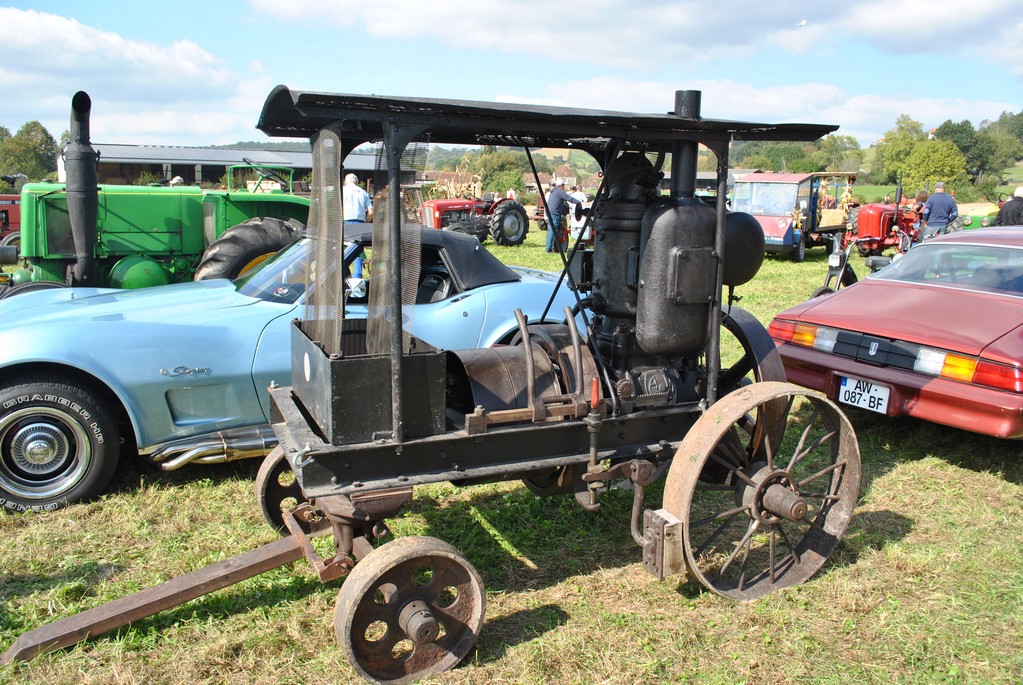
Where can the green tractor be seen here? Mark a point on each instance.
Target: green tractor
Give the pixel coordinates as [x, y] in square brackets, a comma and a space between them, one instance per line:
[80, 233]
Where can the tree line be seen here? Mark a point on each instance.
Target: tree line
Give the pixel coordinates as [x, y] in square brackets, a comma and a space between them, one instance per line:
[971, 160]
[31, 152]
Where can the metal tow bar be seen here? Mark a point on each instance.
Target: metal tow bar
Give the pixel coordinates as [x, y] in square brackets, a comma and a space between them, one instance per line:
[123, 611]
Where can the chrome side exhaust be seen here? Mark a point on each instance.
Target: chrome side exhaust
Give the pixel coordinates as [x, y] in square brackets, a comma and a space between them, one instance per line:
[215, 448]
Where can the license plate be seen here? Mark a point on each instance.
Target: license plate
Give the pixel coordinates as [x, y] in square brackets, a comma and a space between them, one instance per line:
[864, 394]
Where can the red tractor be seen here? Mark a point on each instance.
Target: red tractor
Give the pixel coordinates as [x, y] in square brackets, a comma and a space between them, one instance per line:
[880, 225]
[503, 219]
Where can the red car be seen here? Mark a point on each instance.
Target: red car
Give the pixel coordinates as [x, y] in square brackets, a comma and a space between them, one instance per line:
[937, 335]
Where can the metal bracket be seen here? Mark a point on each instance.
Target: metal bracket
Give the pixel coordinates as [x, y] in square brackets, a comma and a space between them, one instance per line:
[662, 543]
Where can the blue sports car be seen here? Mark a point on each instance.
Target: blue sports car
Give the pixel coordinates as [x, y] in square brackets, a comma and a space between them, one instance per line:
[179, 373]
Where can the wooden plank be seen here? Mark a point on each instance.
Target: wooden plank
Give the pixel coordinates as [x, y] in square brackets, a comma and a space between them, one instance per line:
[123, 611]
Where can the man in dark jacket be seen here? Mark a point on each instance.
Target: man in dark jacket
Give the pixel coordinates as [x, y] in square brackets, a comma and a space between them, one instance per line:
[1011, 213]
[557, 204]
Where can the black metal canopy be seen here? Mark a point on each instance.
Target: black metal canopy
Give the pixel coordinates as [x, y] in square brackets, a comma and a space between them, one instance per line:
[290, 113]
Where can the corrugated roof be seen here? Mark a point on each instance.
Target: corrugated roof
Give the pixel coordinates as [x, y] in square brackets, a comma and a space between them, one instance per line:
[172, 154]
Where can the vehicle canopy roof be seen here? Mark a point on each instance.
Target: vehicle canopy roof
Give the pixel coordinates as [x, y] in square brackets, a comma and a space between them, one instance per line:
[363, 118]
[780, 177]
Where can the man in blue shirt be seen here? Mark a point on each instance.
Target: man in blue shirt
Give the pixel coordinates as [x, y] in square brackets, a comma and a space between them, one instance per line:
[939, 212]
[557, 205]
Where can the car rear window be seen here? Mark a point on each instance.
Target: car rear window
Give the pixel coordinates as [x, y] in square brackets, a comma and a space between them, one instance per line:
[987, 268]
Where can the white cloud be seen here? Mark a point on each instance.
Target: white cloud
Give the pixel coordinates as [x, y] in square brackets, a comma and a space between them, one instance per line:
[865, 117]
[142, 92]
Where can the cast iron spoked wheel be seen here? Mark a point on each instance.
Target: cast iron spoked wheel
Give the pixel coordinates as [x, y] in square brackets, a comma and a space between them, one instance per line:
[409, 609]
[277, 490]
[772, 513]
[758, 362]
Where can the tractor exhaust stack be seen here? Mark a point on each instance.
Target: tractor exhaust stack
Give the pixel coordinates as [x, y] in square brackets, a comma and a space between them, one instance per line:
[81, 162]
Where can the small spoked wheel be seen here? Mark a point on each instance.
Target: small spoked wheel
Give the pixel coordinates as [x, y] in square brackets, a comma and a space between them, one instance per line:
[409, 609]
[764, 514]
[277, 490]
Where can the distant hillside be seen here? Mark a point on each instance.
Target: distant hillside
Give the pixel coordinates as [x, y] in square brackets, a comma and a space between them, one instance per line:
[289, 146]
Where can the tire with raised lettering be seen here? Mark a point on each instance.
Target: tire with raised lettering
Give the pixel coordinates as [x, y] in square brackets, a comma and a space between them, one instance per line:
[59, 444]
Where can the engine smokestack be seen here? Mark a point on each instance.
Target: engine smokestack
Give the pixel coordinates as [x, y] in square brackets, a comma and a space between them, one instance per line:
[81, 163]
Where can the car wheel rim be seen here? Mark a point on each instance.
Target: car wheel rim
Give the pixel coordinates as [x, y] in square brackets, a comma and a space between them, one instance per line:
[43, 453]
[512, 227]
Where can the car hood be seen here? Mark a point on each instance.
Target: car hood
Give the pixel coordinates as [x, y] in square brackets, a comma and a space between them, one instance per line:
[949, 318]
[191, 301]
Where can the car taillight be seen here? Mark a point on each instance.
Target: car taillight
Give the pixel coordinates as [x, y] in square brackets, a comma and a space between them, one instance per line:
[818, 337]
[999, 376]
[957, 367]
[927, 360]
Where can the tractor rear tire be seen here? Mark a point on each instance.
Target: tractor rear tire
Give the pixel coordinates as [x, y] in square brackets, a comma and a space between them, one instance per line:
[247, 245]
[852, 223]
[11, 239]
[509, 224]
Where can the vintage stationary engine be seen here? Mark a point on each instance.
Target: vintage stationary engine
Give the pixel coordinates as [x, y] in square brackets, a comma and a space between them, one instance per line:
[635, 381]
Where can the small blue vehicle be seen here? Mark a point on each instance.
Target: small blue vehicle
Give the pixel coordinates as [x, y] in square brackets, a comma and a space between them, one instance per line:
[179, 373]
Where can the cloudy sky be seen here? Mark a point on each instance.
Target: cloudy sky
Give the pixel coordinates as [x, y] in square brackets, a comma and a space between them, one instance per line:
[197, 73]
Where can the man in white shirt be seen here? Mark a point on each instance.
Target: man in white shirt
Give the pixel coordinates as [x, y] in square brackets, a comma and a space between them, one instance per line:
[356, 202]
[577, 224]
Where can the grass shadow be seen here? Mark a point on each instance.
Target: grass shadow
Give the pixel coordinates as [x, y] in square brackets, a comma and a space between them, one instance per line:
[886, 442]
[520, 541]
[501, 634]
[135, 472]
[75, 581]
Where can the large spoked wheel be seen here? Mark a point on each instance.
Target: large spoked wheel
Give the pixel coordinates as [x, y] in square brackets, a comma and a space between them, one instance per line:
[247, 245]
[763, 514]
[59, 444]
[277, 490]
[409, 609]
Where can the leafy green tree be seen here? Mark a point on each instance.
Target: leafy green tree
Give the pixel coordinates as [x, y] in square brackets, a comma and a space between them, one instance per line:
[891, 154]
[1007, 123]
[978, 148]
[934, 160]
[838, 153]
[31, 151]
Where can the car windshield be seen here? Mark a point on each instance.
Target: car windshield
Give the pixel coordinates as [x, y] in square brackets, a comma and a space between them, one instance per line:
[280, 278]
[778, 199]
[988, 268]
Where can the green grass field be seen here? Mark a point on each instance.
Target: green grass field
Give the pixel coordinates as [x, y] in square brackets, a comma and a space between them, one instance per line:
[926, 587]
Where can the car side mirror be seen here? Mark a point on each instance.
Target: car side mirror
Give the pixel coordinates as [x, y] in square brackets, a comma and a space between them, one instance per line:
[357, 287]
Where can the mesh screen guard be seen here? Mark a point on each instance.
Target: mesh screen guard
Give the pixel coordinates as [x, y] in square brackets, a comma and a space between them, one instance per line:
[381, 294]
[324, 287]
[324, 311]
